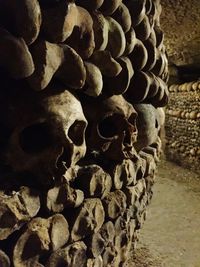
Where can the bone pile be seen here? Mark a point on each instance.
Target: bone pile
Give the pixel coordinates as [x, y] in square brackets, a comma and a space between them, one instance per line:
[183, 125]
[82, 89]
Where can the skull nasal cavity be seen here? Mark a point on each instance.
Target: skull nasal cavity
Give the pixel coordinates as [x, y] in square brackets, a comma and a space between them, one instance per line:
[76, 132]
[36, 138]
[107, 127]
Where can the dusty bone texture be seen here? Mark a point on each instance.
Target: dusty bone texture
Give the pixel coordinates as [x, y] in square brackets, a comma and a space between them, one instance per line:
[183, 125]
[41, 235]
[94, 181]
[58, 21]
[82, 37]
[109, 7]
[87, 219]
[112, 127]
[60, 61]
[4, 259]
[16, 209]
[94, 80]
[89, 63]
[55, 130]
[63, 196]
[15, 57]
[22, 18]
[148, 125]
[123, 17]
[116, 38]
[71, 255]
[119, 84]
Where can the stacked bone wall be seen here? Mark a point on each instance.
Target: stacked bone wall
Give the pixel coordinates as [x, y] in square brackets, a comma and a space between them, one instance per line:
[183, 125]
[83, 84]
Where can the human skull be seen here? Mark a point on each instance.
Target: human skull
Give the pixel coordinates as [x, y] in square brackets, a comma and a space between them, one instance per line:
[149, 121]
[112, 127]
[49, 135]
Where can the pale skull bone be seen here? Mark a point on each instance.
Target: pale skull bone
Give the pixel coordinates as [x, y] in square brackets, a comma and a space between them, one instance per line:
[148, 123]
[112, 127]
[53, 126]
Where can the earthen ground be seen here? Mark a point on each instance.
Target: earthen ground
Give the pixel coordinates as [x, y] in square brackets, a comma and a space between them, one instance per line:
[170, 237]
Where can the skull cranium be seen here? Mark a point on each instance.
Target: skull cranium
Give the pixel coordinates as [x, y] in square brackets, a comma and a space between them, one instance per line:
[112, 127]
[48, 136]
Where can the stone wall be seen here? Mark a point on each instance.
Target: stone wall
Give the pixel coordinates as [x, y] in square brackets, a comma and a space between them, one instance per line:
[183, 125]
[180, 22]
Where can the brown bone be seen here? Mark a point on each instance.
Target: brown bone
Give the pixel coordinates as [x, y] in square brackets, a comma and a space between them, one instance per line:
[130, 41]
[93, 181]
[139, 87]
[15, 57]
[152, 151]
[63, 196]
[147, 123]
[137, 10]
[119, 84]
[116, 38]
[4, 260]
[150, 163]
[23, 18]
[72, 255]
[139, 55]
[82, 37]
[100, 240]
[123, 17]
[100, 27]
[143, 29]
[96, 245]
[123, 246]
[114, 204]
[59, 60]
[106, 63]
[58, 22]
[87, 220]
[131, 195]
[94, 80]
[72, 71]
[48, 137]
[41, 235]
[96, 262]
[112, 127]
[160, 99]
[123, 173]
[16, 209]
[109, 256]
[151, 50]
[109, 6]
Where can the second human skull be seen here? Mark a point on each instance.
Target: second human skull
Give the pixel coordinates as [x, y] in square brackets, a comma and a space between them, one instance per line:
[112, 127]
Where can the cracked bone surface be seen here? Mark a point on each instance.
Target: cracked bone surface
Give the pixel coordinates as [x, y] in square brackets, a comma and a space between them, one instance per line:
[48, 139]
[21, 65]
[22, 18]
[112, 129]
[82, 86]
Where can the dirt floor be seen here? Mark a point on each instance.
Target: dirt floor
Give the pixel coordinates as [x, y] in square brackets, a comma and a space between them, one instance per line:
[170, 237]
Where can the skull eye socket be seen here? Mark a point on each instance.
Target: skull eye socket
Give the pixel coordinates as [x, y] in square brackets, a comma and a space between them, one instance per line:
[107, 128]
[36, 138]
[156, 124]
[132, 119]
[76, 132]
